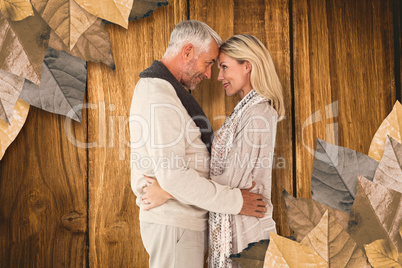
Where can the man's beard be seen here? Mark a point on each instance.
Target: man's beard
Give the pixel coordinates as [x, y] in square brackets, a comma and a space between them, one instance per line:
[191, 76]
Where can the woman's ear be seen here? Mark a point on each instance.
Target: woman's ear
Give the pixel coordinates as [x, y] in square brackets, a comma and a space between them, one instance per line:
[248, 66]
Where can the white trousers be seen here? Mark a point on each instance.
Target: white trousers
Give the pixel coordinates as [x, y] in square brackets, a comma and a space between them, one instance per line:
[173, 247]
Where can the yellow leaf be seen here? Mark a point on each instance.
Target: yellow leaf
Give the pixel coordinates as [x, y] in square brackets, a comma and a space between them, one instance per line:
[283, 252]
[334, 245]
[400, 228]
[116, 11]
[392, 126]
[10, 88]
[382, 254]
[66, 18]
[16, 9]
[9, 132]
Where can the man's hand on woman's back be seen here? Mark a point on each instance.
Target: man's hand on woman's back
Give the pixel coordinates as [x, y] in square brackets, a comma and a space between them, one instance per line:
[253, 204]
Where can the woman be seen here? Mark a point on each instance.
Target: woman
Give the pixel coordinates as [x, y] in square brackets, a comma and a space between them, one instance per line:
[242, 151]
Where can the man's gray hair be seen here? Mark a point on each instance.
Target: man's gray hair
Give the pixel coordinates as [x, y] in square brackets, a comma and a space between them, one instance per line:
[194, 32]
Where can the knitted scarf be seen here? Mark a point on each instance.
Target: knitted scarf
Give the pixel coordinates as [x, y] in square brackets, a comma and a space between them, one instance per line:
[220, 230]
[158, 70]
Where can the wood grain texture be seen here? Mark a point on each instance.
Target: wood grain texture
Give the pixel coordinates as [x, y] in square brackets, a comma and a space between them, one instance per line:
[399, 7]
[270, 23]
[210, 93]
[43, 212]
[114, 236]
[343, 76]
[343, 89]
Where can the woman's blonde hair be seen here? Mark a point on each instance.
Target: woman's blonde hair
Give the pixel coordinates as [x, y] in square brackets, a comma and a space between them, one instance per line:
[263, 77]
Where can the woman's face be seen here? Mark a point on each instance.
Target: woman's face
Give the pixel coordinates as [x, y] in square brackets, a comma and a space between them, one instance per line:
[234, 76]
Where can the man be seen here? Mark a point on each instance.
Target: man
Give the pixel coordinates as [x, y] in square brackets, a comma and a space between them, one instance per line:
[171, 140]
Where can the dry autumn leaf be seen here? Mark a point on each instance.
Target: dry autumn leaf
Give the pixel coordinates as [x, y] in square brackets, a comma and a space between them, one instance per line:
[400, 229]
[116, 11]
[329, 240]
[375, 214]
[10, 88]
[253, 256]
[66, 18]
[400, 233]
[143, 8]
[382, 254]
[389, 171]
[23, 46]
[16, 9]
[335, 174]
[93, 45]
[391, 126]
[283, 252]
[305, 214]
[62, 87]
[9, 132]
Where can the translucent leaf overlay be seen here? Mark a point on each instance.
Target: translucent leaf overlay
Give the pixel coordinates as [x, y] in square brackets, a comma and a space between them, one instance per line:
[389, 171]
[23, 46]
[93, 45]
[335, 174]
[253, 256]
[143, 8]
[62, 87]
[115, 11]
[376, 214]
[66, 18]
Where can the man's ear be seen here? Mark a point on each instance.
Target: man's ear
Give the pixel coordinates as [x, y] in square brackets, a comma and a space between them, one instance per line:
[187, 53]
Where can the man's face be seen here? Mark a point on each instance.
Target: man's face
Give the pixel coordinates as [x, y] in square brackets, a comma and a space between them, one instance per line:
[199, 67]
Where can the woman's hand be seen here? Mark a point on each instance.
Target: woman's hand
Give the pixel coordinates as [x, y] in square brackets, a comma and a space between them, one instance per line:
[154, 195]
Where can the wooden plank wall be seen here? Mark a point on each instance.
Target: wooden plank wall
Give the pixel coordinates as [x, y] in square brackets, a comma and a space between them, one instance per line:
[43, 185]
[398, 7]
[65, 205]
[344, 82]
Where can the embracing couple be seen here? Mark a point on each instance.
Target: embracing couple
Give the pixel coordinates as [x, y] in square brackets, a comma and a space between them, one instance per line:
[196, 191]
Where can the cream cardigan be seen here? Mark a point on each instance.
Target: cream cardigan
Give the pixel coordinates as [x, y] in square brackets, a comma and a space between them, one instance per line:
[251, 159]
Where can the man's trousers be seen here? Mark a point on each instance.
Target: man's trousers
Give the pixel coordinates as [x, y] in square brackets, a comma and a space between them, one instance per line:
[173, 247]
